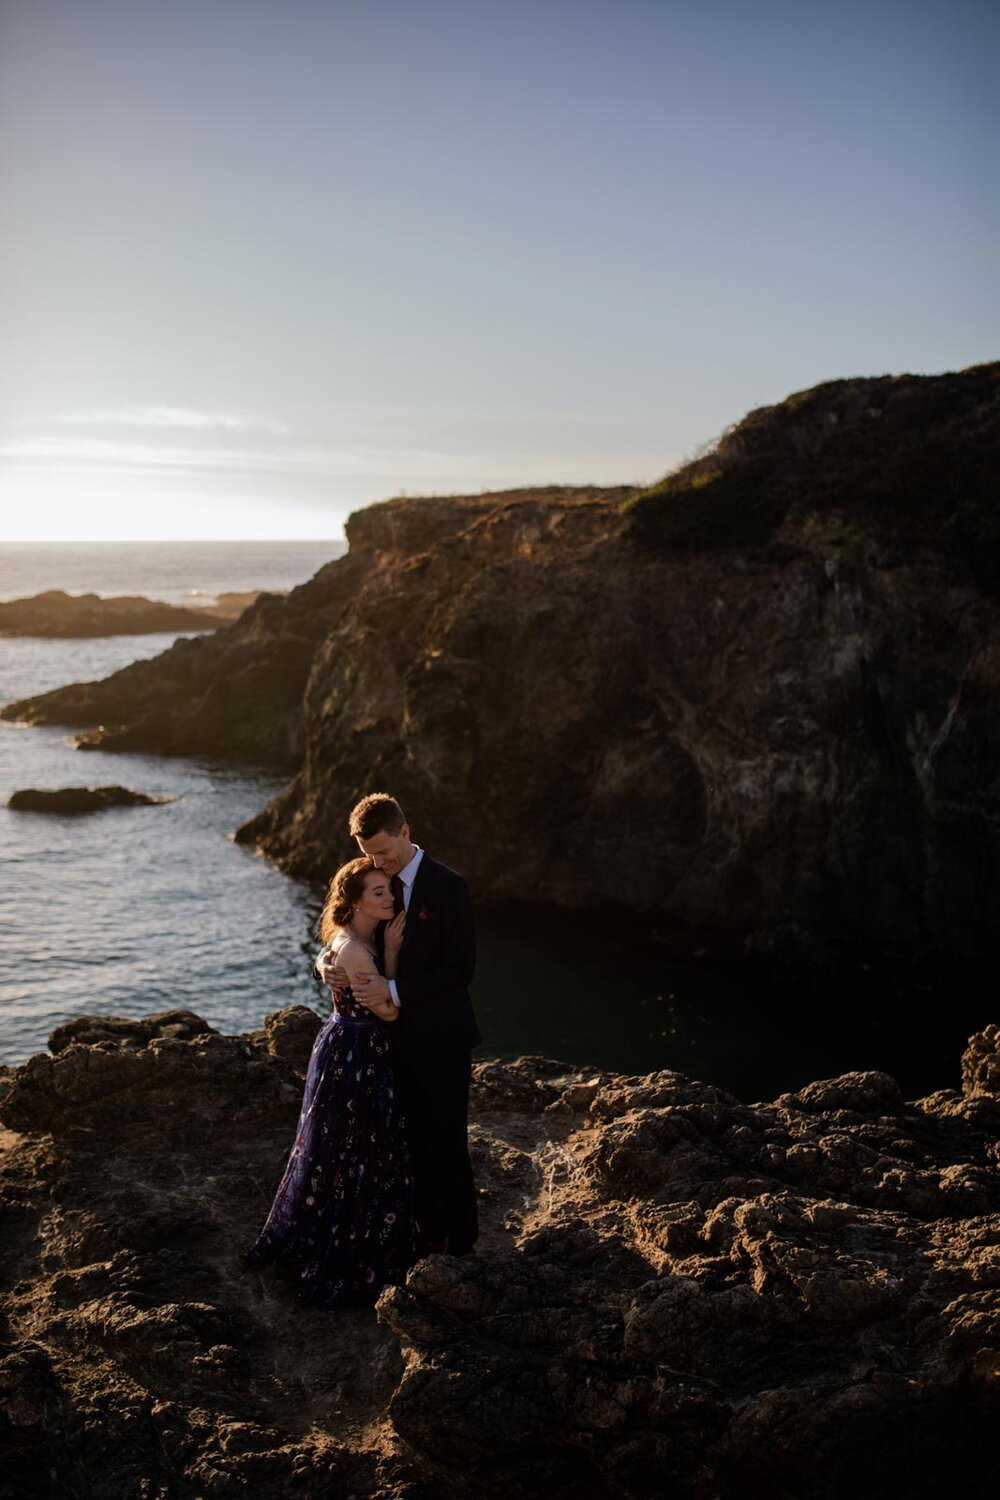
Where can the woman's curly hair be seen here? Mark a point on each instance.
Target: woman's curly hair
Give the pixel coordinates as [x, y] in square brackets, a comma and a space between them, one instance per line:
[344, 891]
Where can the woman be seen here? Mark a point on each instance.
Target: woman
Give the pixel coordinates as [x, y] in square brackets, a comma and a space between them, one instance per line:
[342, 1217]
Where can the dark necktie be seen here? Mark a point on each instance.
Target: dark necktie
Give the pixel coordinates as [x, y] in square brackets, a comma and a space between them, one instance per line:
[398, 904]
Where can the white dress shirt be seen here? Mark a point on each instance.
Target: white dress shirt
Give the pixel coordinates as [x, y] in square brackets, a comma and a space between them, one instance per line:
[407, 875]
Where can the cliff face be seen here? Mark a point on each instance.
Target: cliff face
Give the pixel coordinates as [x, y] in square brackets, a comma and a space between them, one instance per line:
[759, 700]
[675, 1292]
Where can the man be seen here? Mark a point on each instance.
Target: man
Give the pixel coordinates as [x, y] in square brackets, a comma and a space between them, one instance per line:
[435, 1032]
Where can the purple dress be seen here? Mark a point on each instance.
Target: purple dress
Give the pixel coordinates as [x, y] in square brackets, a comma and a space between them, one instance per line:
[342, 1223]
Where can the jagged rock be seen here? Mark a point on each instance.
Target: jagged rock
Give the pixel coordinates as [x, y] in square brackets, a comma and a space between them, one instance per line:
[529, 1084]
[762, 696]
[674, 1292]
[123, 1031]
[981, 1063]
[289, 1034]
[73, 800]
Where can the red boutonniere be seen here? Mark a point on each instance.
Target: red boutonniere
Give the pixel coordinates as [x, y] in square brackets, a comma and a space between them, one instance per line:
[423, 914]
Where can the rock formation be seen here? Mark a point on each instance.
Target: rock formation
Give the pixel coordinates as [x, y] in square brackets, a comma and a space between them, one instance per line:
[757, 702]
[81, 799]
[56, 613]
[675, 1293]
[235, 694]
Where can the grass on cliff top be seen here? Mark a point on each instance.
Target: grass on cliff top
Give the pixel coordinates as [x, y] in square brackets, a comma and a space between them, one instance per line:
[912, 459]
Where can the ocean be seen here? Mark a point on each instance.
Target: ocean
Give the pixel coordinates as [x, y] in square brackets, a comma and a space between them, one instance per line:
[142, 909]
[136, 910]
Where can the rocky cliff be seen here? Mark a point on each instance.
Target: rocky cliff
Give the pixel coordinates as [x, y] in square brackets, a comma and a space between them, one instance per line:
[758, 700]
[675, 1292]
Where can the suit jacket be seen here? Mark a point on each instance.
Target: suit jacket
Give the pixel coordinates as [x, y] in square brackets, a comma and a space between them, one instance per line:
[435, 967]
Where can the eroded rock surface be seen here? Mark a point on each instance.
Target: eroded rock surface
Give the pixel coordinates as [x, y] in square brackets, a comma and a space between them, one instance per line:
[675, 1292]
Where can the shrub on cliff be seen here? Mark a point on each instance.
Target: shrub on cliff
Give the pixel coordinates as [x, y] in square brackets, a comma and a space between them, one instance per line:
[911, 460]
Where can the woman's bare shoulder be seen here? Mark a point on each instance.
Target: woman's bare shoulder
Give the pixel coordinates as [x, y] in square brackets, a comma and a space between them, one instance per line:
[351, 951]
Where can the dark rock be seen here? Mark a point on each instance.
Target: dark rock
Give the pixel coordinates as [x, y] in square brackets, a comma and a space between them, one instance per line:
[981, 1063]
[674, 1292]
[290, 1034]
[529, 1084]
[123, 1031]
[73, 800]
[862, 1093]
[56, 613]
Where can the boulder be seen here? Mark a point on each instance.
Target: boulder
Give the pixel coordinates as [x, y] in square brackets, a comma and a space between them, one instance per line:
[73, 800]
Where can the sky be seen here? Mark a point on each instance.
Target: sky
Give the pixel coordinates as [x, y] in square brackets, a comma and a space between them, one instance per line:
[263, 262]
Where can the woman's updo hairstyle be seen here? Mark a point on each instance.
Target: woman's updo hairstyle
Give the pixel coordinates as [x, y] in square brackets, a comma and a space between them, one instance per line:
[343, 894]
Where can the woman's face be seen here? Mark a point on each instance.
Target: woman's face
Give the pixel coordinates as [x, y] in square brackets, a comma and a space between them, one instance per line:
[377, 899]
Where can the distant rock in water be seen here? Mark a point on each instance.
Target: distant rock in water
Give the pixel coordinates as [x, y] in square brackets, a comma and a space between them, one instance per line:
[234, 694]
[674, 1292]
[758, 701]
[81, 799]
[55, 613]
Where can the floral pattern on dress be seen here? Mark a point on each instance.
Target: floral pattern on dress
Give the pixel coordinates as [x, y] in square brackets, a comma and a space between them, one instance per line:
[341, 1223]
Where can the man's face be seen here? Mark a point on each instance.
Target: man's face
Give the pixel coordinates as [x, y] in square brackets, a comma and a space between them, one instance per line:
[388, 852]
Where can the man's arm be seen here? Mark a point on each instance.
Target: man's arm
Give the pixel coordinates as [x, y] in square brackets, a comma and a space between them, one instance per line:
[360, 970]
[328, 971]
[454, 974]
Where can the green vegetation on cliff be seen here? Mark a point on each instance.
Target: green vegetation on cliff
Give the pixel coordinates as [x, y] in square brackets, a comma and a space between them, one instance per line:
[912, 461]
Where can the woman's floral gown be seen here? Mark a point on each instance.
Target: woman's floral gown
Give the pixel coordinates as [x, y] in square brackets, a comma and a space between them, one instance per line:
[342, 1223]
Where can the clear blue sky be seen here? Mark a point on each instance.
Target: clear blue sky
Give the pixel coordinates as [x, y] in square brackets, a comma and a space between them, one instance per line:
[264, 261]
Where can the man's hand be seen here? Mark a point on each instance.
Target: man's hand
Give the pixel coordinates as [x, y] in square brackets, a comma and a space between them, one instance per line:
[371, 991]
[333, 975]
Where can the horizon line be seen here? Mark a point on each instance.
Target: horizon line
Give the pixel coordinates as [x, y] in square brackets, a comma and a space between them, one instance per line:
[209, 541]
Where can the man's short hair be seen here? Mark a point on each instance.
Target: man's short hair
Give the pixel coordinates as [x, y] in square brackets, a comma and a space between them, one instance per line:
[376, 813]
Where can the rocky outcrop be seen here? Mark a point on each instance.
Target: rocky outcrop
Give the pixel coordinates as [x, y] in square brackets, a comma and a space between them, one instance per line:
[675, 1292]
[757, 702]
[235, 694]
[80, 799]
[56, 613]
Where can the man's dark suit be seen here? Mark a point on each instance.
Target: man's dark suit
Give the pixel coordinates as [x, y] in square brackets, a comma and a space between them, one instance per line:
[432, 1042]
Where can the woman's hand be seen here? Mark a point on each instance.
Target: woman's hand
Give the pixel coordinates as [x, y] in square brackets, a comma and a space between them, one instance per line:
[392, 941]
[393, 935]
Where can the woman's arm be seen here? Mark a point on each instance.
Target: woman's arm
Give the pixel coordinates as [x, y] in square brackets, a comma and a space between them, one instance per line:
[355, 959]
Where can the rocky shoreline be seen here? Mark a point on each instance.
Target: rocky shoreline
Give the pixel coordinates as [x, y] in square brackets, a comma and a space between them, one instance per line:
[675, 1292]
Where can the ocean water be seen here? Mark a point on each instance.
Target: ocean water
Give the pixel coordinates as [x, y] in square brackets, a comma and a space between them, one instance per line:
[124, 915]
[136, 910]
[190, 573]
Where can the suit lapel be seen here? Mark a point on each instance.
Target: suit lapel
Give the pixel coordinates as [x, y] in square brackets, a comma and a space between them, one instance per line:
[421, 882]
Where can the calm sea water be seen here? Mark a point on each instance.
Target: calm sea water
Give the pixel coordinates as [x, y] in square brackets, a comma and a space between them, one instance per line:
[143, 909]
[138, 909]
[180, 572]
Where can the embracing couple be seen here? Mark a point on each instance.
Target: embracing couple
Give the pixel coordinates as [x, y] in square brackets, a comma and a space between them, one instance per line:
[379, 1172]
